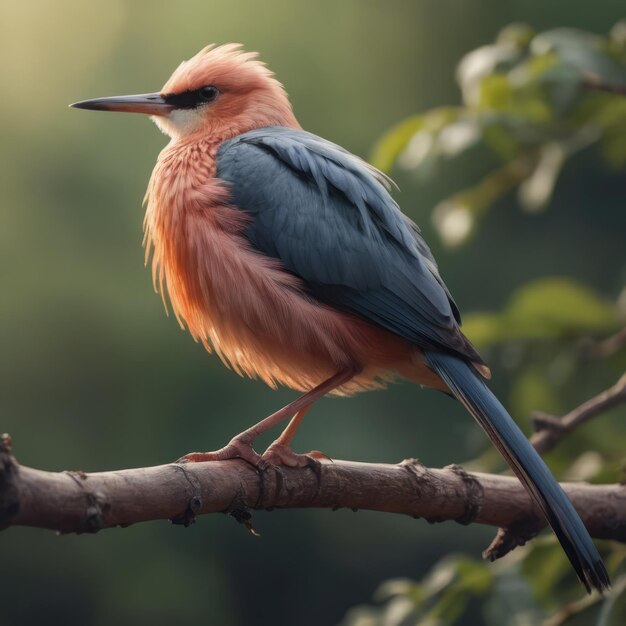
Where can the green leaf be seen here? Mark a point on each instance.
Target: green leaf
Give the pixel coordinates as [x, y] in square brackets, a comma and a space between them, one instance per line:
[562, 85]
[475, 576]
[560, 38]
[450, 606]
[558, 306]
[611, 116]
[457, 137]
[394, 141]
[414, 139]
[484, 329]
[510, 48]
[496, 93]
[454, 581]
[400, 587]
[583, 50]
[617, 37]
[536, 191]
[613, 148]
[501, 139]
[517, 33]
[526, 99]
[547, 308]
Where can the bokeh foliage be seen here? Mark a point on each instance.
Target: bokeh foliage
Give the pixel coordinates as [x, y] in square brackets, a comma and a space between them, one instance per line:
[530, 101]
[94, 376]
[533, 100]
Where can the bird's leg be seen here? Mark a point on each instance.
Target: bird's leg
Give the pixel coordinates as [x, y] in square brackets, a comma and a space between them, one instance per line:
[240, 446]
[286, 437]
[280, 452]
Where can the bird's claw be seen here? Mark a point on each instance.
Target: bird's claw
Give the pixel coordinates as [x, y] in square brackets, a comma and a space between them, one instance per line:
[236, 449]
[276, 456]
[280, 454]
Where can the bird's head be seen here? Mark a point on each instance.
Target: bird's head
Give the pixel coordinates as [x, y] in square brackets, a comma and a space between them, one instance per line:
[221, 91]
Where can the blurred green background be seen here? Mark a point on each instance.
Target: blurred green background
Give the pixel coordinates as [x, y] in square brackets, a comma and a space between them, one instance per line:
[94, 376]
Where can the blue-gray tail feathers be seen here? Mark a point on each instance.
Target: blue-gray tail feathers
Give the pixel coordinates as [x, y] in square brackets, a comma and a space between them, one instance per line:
[477, 398]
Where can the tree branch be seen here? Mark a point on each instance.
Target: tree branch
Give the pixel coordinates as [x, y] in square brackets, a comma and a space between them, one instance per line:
[594, 82]
[606, 347]
[550, 430]
[79, 502]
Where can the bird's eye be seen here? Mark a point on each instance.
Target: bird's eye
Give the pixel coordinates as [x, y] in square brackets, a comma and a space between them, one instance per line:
[208, 93]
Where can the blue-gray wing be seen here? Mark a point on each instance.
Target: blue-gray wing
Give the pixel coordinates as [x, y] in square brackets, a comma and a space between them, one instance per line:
[329, 218]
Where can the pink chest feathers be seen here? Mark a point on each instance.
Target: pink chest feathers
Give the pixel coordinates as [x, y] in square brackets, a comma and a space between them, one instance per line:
[240, 303]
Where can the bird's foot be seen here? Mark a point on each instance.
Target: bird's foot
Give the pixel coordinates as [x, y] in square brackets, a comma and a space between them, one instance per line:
[281, 454]
[237, 448]
[278, 454]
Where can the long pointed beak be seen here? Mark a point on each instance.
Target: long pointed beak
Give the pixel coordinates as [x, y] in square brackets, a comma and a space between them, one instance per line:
[149, 103]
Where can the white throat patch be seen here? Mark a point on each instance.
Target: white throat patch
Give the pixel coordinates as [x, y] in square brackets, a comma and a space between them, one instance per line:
[179, 121]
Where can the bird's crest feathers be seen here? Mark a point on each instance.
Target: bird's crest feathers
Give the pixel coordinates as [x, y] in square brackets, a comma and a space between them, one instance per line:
[227, 65]
[249, 95]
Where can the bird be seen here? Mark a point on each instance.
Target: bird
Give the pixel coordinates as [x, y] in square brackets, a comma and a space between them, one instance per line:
[287, 256]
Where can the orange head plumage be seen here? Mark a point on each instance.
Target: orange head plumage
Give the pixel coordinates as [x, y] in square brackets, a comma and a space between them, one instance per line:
[222, 91]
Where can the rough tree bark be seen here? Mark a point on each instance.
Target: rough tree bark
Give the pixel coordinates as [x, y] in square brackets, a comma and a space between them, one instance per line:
[80, 502]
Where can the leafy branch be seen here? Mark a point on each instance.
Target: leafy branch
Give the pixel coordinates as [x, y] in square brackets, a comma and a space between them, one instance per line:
[531, 101]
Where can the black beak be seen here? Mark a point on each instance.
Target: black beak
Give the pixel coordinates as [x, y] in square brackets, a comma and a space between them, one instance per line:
[149, 103]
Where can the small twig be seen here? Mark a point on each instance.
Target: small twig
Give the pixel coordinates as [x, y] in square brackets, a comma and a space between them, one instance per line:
[550, 430]
[579, 606]
[593, 81]
[9, 496]
[510, 537]
[573, 608]
[607, 347]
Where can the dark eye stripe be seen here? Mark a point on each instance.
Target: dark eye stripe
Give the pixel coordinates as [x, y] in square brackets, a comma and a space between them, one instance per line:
[190, 99]
[185, 100]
